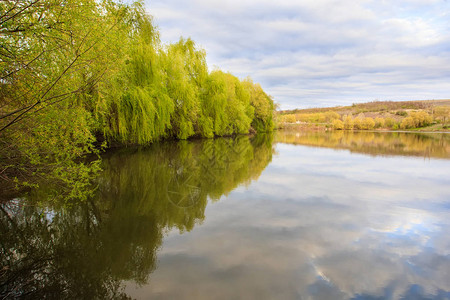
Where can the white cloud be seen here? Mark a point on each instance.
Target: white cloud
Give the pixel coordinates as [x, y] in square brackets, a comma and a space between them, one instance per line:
[321, 52]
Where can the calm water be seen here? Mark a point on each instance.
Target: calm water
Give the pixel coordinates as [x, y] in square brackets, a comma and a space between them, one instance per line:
[296, 216]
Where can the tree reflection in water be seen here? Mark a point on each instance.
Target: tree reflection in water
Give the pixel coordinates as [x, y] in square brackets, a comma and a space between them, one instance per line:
[87, 250]
[436, 145]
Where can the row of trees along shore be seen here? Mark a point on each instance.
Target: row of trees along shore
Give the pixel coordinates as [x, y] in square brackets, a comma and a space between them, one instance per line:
[376, 117]
[79, 73]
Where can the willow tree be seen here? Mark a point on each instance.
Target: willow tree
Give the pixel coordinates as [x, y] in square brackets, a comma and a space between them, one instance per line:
[263, 105]
[53, 53]
[442, 113]
[134, 106]
[239, 110]
[186, 71]
[226, 105]
[212, 119]
[74, 71]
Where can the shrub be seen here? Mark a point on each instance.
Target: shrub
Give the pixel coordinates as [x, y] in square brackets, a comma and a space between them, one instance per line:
[357, 123]
[330, 116]
[442, 113]
[288, 119]
[389, 122]
[379, 122]
[338, 124]
[348, 122]
[368, 123]
[421, 118]
[407, 123]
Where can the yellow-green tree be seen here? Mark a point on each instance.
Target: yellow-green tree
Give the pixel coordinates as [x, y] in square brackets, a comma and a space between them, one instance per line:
[348, 122]
[262, 104]
[226, 105]
[136, 107]
[83, 72]
[442, 113]
[186, 71]
[379, 122]
[357, 123]
[330, 116]
[368, 123]
[421, 118]
[53, 56]
[389, 122]
[290, 118]
[407, 123]
[338, 124]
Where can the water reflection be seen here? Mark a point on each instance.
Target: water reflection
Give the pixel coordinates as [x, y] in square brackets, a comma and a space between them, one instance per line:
[318, 224]
[307, 223]
[436, 145]
[87, 251]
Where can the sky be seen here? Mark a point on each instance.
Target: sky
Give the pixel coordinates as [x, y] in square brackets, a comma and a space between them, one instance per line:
[318, 53]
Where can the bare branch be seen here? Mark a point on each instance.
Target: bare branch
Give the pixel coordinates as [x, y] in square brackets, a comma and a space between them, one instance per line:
[19, 12]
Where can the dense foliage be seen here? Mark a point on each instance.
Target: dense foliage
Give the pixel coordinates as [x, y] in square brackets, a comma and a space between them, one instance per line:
[79, 72]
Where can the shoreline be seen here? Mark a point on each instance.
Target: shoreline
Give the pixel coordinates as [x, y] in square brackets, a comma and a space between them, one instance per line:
[323, 127]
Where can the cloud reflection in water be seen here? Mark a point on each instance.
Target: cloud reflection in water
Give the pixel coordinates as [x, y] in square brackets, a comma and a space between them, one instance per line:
[318, 224]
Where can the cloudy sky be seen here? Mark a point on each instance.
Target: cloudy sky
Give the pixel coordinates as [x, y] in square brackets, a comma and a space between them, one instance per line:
[315, 53]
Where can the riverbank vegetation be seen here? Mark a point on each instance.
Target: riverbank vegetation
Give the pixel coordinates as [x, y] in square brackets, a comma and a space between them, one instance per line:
[388, 115]
[81, 75]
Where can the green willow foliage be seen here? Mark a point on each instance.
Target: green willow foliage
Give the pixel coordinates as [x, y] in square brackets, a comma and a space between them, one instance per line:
[53, 55]
[263, 120]
[186, 69]
[78, 72]
[136, 106]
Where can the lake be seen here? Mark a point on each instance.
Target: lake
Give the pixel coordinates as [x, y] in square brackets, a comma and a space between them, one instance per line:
[295, 215]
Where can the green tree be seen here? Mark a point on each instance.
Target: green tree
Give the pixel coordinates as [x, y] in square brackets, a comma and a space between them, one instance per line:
[186, 71]
[77, 73]
[226, 105]
[134, 106]
[390, 122]
[263, 105]
[53, 54]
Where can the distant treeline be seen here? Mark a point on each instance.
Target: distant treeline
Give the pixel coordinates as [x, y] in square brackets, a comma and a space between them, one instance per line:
[373, 115]
[373, 106]
[76, 74]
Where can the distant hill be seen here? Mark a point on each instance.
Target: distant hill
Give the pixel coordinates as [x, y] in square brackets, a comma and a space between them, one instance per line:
[424, 115]
[373, 106]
